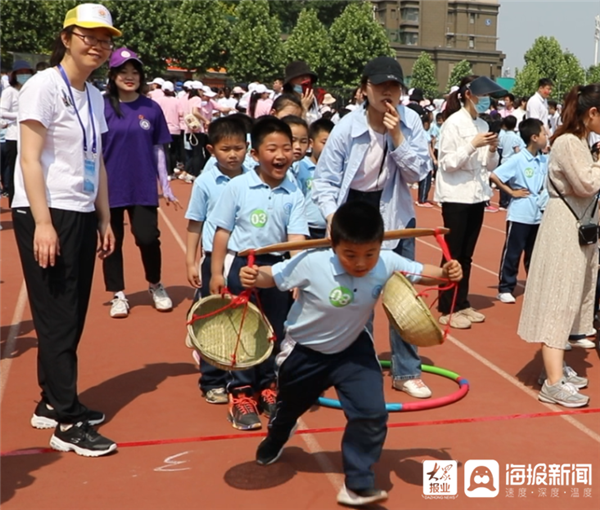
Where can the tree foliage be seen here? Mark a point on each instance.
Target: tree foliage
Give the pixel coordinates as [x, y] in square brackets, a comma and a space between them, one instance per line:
[256, 50]
[423, 75]
[309, 42]
[355, 38]
[201, 35]
[459, 71]
[570, 73]
[288, 11]
[592, 75]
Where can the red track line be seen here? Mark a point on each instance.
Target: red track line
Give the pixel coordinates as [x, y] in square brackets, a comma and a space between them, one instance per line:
[155, 442]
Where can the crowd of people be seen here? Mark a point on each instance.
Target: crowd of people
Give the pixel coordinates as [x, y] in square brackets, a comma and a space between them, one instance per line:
[283, 164]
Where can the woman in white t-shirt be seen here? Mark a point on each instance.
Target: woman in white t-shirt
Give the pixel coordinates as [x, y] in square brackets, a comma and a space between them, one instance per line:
[60, 210]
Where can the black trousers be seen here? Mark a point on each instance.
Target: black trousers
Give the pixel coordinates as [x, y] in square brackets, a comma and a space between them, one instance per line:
[520, 239]
[276, 305]
[8, 178]
[59, 298]
[144, 227]
[356, 376]
[464, 222]
[198, 156]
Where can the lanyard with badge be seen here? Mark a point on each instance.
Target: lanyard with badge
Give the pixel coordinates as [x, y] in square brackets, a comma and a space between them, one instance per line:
[89, 158]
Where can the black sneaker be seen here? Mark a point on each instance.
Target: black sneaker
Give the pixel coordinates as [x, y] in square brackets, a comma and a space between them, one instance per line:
[45, 418]
[243, 411]
[268, 400]
[269, 450]
[82, 439]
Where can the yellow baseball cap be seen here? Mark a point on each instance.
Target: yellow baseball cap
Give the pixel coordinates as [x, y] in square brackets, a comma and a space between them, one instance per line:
[91, 16]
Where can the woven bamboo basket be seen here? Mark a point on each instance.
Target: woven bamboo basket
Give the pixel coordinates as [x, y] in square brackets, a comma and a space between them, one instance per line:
[216, 336]
[408, 313]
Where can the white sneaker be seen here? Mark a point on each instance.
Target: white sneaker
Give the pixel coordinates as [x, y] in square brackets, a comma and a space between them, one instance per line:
[414, 387]
[359, 498]
[506, 297]
[119, 308]
[584, 343]
[162, 301]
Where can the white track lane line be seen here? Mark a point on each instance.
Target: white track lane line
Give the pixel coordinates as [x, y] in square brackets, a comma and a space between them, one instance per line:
[312, 444]
[506, 376]
[11, 341]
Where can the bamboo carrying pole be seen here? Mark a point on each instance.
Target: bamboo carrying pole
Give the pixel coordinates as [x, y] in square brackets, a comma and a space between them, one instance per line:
[325, 243]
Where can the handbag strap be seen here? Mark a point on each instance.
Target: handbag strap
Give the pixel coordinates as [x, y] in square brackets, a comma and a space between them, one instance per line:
[595, 202]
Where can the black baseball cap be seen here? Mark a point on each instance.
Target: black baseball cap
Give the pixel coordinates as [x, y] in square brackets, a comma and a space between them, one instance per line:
[382, 69]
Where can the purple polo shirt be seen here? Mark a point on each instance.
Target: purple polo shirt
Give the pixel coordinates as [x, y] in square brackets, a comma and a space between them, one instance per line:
[128, 150]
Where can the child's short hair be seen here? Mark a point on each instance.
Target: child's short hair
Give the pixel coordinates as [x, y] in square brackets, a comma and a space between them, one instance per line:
[552, 104]
[439, 116]
[529, 128]
[357, 222]
[246, 120]
[319, 126]
[266, 125]
[509, 122]
[285, 100]
[225, 127]
[294, 120]
[511, 97]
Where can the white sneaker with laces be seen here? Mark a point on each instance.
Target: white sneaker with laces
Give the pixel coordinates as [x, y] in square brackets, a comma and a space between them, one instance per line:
[414, 387]
[506, 297]
[162, 301]
[119, 308]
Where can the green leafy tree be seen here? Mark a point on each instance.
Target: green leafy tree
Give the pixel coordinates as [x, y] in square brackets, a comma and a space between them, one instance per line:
[148, 29]
[459, 71]
[355, 38]
[201, 36]
[570, 73]
[256, 50]
[288, 11]
[309, 42]
[592, 75]
[423, 75]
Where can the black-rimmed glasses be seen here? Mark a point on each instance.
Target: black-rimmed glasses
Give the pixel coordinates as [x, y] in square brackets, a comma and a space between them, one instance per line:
[92, 40]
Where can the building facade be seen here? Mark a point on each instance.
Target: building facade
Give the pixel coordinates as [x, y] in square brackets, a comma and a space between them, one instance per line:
[449, 30]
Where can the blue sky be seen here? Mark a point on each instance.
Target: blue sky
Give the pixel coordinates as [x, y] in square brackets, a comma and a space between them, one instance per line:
[571, 22]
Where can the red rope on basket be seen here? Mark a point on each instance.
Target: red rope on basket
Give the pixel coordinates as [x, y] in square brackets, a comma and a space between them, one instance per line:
[439, 237]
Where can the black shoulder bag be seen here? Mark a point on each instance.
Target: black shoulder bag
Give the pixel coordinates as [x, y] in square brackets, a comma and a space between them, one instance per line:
[588, 233]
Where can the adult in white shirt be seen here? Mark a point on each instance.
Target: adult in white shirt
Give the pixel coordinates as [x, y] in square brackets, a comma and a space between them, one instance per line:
[9, 108]
[60, 214]
[467, 154]
[537, 106]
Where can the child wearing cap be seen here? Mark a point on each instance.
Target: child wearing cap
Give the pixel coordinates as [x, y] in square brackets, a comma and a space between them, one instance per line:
[328, 340]
[259, 208]
[61, 218]
[135, 160]
[371, 155]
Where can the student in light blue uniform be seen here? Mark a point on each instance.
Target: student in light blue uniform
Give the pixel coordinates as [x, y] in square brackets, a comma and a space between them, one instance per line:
[523, 177]
[372, 155]
[227, 146]
[328, 341]
[257, 209]
[318, 134]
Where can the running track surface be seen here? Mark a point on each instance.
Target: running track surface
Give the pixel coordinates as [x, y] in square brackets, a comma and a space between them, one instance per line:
[177, 451]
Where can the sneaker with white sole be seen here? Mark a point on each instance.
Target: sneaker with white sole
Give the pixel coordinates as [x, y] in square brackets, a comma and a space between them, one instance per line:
[82, 439]
[472, 314]
[584, 343]
[216, 396]
[45, 417]
[456, 321]
[570, 376]
[360, 497]
[506, 297]
[162, 301]
[119, 308]
[562, 393]
[414, 387]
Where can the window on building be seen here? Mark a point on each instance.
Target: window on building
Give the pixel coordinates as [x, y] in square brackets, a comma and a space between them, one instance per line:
[471, 42]
[409, 38]
[472, 18]
[449, 41]
[410, 14]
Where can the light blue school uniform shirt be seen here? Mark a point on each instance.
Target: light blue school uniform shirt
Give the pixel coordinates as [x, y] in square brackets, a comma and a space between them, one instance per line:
[345, 152]
[434, 131]
[333, 308]
[524, 170]
[206, 190]
[258, 215]
[507, 141]
[306, 173]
